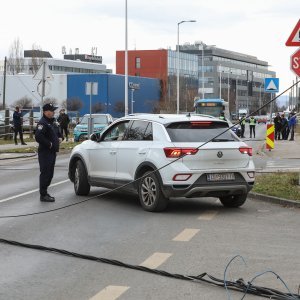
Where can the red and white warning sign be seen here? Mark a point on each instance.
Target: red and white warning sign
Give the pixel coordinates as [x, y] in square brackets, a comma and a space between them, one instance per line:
[295, 62]
[294, 39]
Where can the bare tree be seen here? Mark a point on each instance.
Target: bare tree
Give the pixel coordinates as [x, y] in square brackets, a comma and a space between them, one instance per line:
[16, 57]
[97, 108]
[74, 104]
[24, 103]
[64, 104]
[50, 100]
[119, 107]
[36, 60]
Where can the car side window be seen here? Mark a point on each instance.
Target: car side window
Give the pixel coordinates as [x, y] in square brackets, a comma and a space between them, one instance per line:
[116, 133]
[148, 136]
[140, 131]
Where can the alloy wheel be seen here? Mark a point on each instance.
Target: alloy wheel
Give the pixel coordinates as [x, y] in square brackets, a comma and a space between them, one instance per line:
[148, 191]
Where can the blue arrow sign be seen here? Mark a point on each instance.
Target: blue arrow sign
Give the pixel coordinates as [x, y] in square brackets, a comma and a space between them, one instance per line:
[271, 85]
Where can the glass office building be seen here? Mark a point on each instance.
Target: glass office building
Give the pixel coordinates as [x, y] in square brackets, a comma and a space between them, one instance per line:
[232, 76]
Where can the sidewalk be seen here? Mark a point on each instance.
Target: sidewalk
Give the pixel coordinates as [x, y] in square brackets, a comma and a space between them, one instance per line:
[285, 149]
[14, 155]
[5, 147]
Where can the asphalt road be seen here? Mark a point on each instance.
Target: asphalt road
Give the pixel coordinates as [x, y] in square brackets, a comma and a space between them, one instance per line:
[191, 237]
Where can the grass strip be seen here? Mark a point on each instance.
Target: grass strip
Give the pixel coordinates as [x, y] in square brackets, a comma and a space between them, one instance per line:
[282, 185]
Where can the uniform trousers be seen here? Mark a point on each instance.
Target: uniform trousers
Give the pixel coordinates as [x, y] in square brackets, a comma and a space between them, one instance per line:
[47, 162]
[252, 130]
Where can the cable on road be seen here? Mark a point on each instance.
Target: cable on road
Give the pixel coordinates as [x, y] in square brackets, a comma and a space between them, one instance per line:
[154, 171]
[239, 285]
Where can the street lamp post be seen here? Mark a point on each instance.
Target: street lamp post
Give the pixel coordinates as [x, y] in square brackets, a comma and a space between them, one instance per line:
[220, 92]
[188, 21]
[202, 68]
[126, 61]
[132, 91]
[228, 87]
[236, 96]
[260, 103]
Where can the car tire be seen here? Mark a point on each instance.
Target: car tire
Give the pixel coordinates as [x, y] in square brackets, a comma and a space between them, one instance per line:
[81, 184]
[81, 138]
[151, 197]
[234, 200]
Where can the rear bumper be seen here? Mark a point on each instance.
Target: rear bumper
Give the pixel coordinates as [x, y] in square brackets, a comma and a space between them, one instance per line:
[206, 191]
[202, 188]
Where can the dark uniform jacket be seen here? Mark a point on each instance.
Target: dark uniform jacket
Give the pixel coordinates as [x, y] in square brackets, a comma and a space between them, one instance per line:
[17, 118]
[278, 122]
[63, 120]
[47, 134]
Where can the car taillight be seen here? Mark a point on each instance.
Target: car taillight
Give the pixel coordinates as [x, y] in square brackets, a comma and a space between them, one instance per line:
[177, 152]
[246, 150]
[201, 123]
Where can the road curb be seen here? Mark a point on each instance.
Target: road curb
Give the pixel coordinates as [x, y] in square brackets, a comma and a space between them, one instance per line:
[275, 200]
[11, 155]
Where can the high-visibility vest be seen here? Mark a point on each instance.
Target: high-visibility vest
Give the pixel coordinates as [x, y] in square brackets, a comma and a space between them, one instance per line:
[243, 122]
[222, 118]
[252, 121]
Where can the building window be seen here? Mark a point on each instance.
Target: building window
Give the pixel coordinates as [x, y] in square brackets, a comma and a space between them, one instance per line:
[137, 62]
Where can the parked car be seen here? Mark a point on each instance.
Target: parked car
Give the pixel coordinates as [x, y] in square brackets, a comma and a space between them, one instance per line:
[261, 119]
[26, 120]
[10, 130]
[100, 122]
[236, 128]
[143, 154]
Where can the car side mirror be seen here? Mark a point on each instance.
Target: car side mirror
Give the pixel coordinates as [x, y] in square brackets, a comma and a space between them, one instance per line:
[95, 137]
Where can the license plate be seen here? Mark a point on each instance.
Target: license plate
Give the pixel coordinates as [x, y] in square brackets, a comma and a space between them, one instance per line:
[220, 177]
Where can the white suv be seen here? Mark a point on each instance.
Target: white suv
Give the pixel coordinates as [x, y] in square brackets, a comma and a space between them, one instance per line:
[163, 156]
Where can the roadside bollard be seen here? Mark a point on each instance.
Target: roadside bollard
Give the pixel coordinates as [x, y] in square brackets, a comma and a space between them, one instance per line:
[270, 137]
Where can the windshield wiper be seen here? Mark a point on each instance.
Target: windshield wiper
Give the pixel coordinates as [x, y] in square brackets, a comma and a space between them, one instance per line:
[221, 140]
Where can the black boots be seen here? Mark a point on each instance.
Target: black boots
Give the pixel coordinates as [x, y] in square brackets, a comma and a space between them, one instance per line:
[47, 198]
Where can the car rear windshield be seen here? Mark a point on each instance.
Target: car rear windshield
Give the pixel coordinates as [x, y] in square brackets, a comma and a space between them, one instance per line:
[200, 131]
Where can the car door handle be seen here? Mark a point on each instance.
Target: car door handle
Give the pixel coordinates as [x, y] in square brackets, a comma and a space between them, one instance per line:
[113, 152]
[142, 152]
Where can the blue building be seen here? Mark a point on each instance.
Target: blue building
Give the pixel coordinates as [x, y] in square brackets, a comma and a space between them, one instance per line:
[145, 93]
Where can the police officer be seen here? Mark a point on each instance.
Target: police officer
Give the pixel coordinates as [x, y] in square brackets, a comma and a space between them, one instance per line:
[252, 123]
[48, 136]
[243, 123]
[222, 116]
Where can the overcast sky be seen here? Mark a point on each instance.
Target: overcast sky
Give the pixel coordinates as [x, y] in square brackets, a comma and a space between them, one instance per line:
[254, 27]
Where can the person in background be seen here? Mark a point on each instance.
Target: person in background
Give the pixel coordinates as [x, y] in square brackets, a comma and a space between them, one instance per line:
[18, 125]
[252, 124]
[243, 123]
[222, 116]
[292, 125]
[278, 126]
[284, 127]
[63, 120]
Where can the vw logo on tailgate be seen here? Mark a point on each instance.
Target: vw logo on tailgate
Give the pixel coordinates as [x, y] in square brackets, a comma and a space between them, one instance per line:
[220, 154]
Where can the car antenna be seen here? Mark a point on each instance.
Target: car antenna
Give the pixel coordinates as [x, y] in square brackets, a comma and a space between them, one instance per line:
[188, 115]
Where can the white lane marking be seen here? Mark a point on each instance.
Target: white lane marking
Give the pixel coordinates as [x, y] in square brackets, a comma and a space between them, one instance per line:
[208, 215]
[111, 292]
[155, 260]
[32, 191]
[186, 235]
